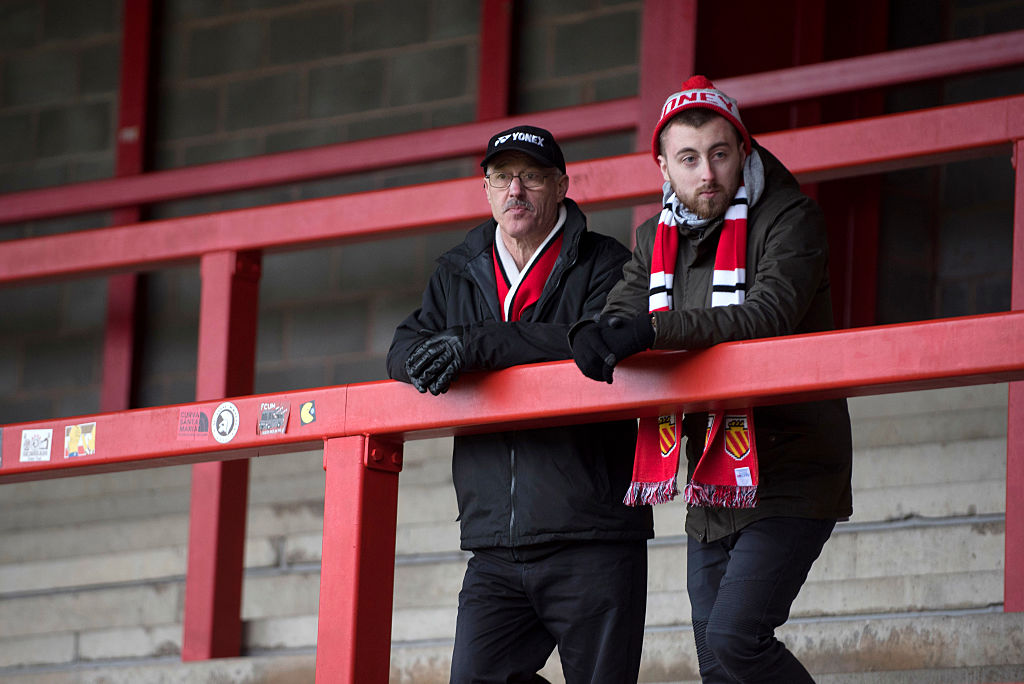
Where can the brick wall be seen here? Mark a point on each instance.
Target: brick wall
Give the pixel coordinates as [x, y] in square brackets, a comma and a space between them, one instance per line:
[236, 78]
[58, 89]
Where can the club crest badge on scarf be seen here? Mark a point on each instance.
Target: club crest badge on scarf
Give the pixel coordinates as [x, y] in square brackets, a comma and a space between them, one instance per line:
[726, 474]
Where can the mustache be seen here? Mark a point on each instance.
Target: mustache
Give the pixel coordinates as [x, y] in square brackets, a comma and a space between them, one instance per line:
[518, 203]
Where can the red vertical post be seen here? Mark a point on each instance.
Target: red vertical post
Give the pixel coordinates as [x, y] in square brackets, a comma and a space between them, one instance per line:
[494, 62]
[227, 353]
[119, 339]
[668, 56]
[1013, 580]
[357, 571]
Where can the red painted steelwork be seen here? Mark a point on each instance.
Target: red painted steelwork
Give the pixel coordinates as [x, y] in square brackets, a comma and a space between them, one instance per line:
[873, 71]
[358, 560]
[827, 151]
[155, 432]
[227, 354]
[494, 70]
[122, 289]
[865, 361]
[119, 342]
[134, 86]
[365, 155]
[897, 66]
[667, 56]
[1013, 584]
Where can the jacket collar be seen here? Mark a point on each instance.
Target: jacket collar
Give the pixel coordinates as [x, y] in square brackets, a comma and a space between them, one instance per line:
[472, 258]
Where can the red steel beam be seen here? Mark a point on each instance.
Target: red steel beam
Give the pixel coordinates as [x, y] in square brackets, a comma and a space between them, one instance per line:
[357, 574]
[494, 61]
[122, 289]
[212, 624]
[827, 151]
[668, 50]
[1013, 584]
[864, 361]
[874, 71]
[898, 66]
[286, 167]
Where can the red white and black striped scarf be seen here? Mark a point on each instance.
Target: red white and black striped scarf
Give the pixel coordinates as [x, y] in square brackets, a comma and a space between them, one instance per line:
[519, 290]
[727, 474]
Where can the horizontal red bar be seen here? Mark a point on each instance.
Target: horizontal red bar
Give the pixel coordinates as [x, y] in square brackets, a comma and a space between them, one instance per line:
[319, 162]
[866, 361]
[170, 435]
[874, 71]
[833, 150]
[786, 85]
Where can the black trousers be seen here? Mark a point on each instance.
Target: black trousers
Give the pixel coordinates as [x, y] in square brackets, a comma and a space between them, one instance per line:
[588, 598]
[741, 588]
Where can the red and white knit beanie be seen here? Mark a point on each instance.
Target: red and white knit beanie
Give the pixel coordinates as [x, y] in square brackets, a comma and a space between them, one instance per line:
[698, 91]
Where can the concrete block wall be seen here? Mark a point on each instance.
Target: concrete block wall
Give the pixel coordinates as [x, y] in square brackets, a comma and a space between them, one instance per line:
[236, 78]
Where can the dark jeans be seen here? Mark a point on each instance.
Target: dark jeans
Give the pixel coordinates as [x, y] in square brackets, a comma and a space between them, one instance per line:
[588, 598]
[741, 588]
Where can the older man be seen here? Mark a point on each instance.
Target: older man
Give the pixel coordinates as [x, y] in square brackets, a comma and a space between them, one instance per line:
[557, 558]
[738, 252]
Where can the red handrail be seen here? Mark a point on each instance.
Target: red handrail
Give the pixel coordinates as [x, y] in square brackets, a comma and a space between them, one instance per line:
[832, 150]
[785, 85]
[877, 360]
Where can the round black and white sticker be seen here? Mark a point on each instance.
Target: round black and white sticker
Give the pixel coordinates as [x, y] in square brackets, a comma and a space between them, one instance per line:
[225, 422]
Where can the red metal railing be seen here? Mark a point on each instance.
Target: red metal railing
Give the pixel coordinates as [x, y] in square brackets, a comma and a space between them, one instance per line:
[362, 428]
[363, 452]
[363, 442]
[786, 85]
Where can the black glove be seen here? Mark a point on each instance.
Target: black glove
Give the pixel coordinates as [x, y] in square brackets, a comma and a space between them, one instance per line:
[435, 364]
[591, 354]
[627, 336]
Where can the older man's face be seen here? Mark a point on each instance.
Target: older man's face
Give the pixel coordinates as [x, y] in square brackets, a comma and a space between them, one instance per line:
[523, 213]
[704, 165]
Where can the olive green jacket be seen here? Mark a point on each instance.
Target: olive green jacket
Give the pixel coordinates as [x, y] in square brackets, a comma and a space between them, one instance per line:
[804, 450]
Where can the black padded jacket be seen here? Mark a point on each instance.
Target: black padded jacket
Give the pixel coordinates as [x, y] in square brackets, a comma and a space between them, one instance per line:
[526, 487]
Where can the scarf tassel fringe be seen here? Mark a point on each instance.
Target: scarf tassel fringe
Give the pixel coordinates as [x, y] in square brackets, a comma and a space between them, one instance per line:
[646, 493]
[721, 496]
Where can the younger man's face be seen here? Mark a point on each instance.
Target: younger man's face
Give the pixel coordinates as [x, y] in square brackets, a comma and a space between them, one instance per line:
[704, 165]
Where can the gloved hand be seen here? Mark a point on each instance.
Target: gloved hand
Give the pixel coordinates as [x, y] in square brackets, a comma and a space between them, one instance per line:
[627, 336]
[437, 362]
[591, 354]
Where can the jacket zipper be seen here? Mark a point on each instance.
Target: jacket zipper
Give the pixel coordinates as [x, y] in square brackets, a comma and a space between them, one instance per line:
[512, 500]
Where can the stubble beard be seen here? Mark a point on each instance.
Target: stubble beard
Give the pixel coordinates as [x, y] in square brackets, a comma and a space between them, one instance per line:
[708, 208]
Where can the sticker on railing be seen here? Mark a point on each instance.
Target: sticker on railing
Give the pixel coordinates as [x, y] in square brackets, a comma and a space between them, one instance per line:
[79, 440]
[193, 424]
[225, 422]
[273, 418]
[307, 412]
[35, 445]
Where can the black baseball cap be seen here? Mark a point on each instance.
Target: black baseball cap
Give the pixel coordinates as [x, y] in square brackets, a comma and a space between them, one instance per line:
[536, 142]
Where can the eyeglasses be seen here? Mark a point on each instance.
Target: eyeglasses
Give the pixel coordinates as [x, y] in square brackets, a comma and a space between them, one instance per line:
[530, 180]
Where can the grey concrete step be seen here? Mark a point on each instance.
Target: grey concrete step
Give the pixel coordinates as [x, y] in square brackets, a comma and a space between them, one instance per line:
[906, 568]
[930, 648]
[950, 414]
[891, 483]
[109, 587]
[873, 650]
[934, 416]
